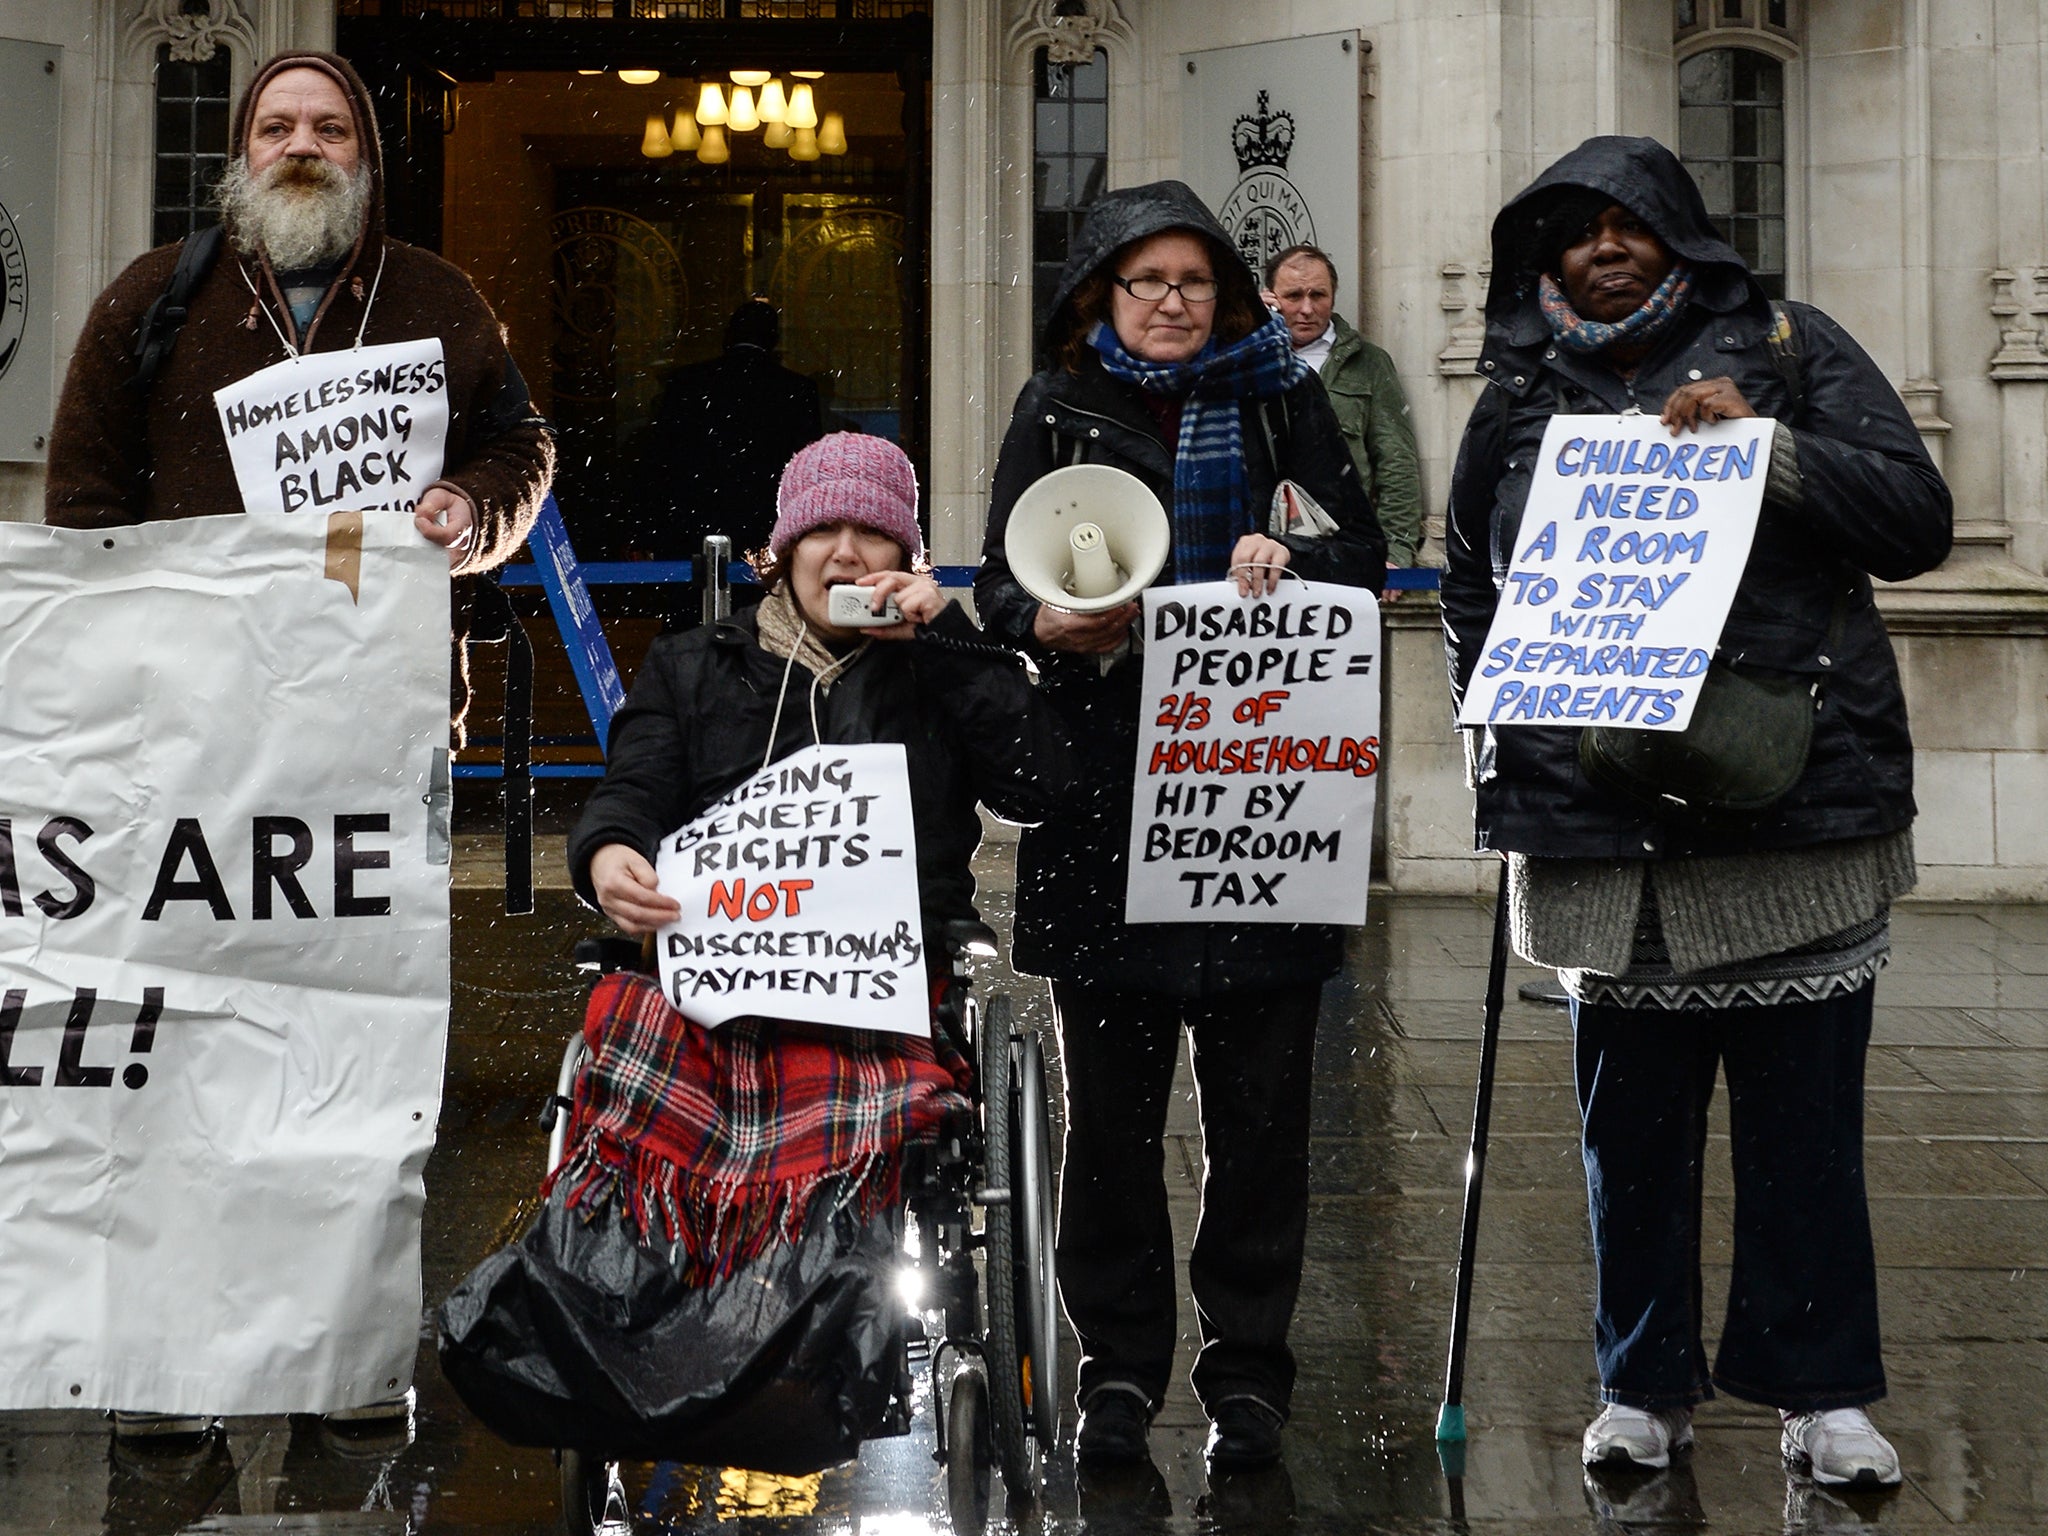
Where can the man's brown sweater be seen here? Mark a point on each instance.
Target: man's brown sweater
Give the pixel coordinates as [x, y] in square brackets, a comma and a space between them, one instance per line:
[112, 462]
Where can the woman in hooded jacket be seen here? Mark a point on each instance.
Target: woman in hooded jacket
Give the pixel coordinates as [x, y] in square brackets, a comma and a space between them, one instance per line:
[1162, 362]
[1688, 941]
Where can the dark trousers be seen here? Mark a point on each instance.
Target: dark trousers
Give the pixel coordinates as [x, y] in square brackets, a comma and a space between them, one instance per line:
[1253, 1054]
[1801, 1330]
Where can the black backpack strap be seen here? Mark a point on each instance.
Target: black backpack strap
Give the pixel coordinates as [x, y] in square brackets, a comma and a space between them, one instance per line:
[1280, 444]
[164, 318]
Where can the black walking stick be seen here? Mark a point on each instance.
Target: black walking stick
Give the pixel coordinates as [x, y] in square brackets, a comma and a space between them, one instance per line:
[1450, 1419]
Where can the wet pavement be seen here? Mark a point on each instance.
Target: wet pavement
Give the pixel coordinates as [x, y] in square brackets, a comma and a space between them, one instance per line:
[1958, 1166]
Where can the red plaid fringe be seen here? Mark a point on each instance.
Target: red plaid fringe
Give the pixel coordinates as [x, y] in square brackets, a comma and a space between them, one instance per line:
[725, 1138]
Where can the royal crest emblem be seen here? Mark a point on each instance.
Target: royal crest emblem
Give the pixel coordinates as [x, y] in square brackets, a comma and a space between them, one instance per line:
[1265, 213]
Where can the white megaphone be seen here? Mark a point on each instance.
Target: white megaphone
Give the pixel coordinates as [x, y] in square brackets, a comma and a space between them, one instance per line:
[1087, 538]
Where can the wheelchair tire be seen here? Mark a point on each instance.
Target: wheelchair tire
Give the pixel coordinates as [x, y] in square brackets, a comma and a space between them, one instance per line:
[593, 1495]
[1035, 1206]
[1009, 1397]
[968, 1460]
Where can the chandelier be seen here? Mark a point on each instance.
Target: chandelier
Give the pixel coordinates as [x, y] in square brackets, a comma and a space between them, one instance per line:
[747, 101]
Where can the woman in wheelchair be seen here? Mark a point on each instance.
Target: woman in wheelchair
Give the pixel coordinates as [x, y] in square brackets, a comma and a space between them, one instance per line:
[730, 1146]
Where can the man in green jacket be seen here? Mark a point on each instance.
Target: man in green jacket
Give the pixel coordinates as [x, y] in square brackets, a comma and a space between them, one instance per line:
[1301, 284]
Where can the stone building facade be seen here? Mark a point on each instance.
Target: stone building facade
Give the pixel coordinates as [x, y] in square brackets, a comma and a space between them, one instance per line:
[1894, 172]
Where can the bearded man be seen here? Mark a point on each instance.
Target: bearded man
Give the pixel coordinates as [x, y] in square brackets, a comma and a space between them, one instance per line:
[308, 270]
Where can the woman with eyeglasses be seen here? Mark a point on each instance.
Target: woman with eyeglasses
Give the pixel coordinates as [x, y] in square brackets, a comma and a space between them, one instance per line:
[1161, 361]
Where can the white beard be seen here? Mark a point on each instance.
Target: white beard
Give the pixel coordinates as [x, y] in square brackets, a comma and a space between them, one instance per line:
[294, 223]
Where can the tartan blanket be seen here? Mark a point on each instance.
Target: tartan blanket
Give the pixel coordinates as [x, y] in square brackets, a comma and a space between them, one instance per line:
[723, 1139]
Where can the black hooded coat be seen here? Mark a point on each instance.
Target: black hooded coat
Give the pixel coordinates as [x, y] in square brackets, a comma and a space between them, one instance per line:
[1871, 504]
[1071, 871]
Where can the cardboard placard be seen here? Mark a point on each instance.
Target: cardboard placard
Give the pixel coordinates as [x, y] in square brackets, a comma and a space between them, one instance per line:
[1631, 546]
[799, 897]
[1258, 756]
[356, 431]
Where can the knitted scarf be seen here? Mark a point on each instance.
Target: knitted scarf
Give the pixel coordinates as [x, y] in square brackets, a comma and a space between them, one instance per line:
[1211, 487]
[1639, 329]
[784, 633]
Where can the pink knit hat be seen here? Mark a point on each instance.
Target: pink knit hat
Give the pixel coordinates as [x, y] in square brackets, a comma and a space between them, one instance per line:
[848, 477]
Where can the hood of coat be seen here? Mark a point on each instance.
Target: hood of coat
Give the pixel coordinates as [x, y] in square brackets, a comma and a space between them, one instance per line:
[1117, 218]
[1642, 176]
[344, 75]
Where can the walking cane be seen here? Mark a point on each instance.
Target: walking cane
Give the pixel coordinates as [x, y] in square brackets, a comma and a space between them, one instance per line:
[1450, 1419]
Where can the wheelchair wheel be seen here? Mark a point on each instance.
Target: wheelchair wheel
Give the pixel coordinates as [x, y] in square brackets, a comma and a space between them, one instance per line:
[593, 1496]
[968, 1461]
[1034, 1207]
[1002, 1347]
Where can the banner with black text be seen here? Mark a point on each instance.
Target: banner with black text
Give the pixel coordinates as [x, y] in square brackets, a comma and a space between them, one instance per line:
[799, 897]
[223, 958]
[1258, 755]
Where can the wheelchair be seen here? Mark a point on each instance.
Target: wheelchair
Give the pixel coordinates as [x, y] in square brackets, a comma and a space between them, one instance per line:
[976, 1229]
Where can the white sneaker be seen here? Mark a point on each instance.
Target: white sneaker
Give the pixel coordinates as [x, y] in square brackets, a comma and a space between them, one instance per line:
[1635, 1437]
[1841, 1446]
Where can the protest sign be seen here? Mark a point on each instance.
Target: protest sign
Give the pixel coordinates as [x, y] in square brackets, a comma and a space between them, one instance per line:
[799, 897]
[1631, 545]
[1258, 754]
[356, 431]
[223, 958]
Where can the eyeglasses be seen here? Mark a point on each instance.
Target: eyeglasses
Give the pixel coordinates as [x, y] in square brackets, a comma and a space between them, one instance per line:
[1153, 290]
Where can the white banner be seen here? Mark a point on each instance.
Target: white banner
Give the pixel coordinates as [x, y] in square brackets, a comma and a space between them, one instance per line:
[1258, 755]
[356, 431]
[223, 959]
[799, 897]
[1631, 546]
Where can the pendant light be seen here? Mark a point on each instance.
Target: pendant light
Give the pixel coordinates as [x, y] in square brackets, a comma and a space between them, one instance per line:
[773, 107]
[803, 110]
[777, 135]
[805, 145]
[639, 76]
[713, 151]
[710, 105]
[751, 78]
[654, 143]
[683, 136]
[832, 134]
[739, 115]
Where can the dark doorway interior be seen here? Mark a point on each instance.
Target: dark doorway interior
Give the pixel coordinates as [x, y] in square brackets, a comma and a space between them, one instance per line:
[517, 149]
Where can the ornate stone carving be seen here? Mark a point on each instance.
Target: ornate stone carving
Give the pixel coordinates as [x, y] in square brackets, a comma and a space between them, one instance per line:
[1465, 299]
[1072, 27]
[1068, 30]
[195, 35]
[2021, 356]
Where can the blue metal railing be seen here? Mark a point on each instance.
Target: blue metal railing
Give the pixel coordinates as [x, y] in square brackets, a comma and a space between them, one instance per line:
[567, 581]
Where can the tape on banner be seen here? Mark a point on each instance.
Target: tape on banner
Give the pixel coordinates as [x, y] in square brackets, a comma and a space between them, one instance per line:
[345, 551]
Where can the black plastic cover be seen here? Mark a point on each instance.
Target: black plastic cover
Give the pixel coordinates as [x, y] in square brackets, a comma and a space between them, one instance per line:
[577, 1336]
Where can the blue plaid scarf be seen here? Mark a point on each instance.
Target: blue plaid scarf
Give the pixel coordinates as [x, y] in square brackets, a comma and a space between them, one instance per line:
[1212, 495]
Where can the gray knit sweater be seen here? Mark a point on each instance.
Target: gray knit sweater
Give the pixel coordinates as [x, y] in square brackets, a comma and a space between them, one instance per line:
[1580, 914]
